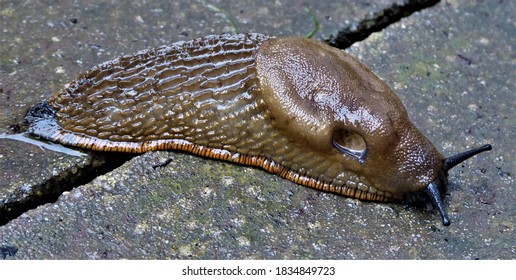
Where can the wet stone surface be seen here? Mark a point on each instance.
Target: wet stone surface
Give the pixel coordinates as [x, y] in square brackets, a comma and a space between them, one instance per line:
[455, 77]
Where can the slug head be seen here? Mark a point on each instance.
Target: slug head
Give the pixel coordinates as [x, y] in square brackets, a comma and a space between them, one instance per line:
[327, 101]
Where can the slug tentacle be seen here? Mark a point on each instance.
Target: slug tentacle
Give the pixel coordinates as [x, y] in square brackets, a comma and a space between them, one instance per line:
[293, 106]
[452, 161]
[435, 195]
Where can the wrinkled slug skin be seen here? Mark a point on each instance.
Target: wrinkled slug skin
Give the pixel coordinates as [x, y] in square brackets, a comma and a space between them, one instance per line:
[255, 100]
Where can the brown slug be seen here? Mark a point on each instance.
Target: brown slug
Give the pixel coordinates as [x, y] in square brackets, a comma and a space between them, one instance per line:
[292, 106]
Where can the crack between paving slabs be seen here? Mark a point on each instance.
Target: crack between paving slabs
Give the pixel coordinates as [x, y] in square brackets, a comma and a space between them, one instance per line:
[49, 190]
[377, 21]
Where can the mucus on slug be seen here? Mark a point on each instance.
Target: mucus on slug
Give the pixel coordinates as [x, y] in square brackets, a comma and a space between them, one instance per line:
[293, 106]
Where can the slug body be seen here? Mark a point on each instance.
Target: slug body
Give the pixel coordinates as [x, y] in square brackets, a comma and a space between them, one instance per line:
[292, 106]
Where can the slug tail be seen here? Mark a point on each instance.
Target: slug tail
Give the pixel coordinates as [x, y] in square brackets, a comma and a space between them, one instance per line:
[41, 118]
[38, 111]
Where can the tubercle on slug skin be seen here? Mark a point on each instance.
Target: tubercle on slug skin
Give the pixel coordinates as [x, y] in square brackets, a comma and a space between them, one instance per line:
[292, 106]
